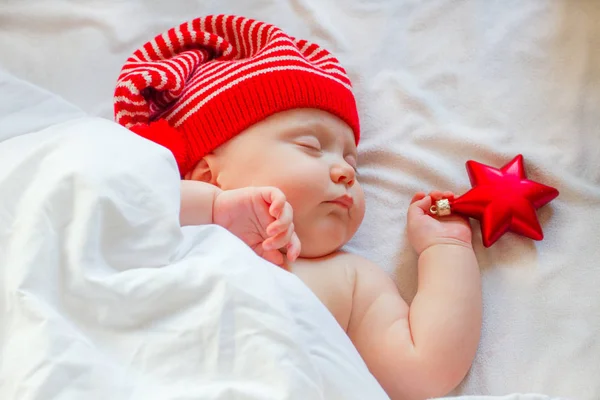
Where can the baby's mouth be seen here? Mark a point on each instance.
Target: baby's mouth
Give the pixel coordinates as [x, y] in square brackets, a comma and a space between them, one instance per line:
[346, 201]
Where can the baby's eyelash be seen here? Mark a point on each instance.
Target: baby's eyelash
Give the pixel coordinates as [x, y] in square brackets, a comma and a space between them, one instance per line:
[310, 142]
[311, 147]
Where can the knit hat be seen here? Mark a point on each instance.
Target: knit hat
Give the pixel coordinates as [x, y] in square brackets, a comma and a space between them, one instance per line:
[199, 84]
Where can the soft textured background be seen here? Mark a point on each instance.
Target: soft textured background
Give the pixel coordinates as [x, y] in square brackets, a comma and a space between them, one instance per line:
[438, 82]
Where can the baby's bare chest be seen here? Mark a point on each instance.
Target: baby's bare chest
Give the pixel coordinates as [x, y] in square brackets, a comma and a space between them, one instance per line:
[331, 282]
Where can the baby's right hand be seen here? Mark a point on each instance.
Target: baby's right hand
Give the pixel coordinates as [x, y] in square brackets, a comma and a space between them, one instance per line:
[262, 218]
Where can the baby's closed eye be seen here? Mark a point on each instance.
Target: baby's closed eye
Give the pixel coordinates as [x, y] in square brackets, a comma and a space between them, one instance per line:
[309, 142]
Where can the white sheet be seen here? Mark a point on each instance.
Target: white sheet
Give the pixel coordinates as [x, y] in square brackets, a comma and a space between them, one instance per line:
[104, 296]
[438, 82]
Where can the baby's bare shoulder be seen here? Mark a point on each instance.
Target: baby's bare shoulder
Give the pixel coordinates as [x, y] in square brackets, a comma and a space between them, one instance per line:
[332, 280]
[347, 284]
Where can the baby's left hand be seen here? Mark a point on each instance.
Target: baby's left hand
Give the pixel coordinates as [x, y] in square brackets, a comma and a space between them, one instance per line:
[426, 230]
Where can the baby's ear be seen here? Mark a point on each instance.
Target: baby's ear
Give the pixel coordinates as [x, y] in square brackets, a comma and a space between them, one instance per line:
[203, 171]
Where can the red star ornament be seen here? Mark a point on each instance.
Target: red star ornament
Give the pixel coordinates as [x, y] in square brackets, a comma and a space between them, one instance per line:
[503, 200]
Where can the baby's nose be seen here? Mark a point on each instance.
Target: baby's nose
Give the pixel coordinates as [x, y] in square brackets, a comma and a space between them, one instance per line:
[343, 174]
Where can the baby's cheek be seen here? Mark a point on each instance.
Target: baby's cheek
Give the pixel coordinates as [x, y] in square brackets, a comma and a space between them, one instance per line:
[302, 191]
[359, 199]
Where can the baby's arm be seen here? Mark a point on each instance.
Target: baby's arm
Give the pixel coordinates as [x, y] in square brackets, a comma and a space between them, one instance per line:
[197, 202]
[426, 349]
[260, 216]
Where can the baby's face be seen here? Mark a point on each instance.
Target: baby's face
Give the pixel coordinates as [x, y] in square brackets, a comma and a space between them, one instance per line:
[311, 156]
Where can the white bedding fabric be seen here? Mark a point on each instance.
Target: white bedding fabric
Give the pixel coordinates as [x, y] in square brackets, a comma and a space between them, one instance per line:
[438, 82]
[103, 296]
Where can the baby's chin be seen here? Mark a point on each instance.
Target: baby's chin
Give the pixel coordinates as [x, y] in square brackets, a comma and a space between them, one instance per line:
[318, 251]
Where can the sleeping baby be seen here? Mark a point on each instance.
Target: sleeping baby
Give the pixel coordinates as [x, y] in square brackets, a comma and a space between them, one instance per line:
[264, 129]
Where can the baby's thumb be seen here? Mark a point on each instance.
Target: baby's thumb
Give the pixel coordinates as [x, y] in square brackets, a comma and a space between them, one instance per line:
[421, 206]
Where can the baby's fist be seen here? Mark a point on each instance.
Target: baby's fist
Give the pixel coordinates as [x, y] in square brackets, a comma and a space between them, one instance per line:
[425, 230]
[262, 218]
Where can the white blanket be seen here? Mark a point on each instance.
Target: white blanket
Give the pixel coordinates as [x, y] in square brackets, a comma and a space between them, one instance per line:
[439, 82]
[104, 296]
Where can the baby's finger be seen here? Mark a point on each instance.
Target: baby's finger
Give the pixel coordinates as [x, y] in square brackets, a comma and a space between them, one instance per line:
[420, 207]
[286, 217]
[277, 200]
[448, 195]
[418, 196]
[275, 228]
[293, 248]
[279, 241]
[436, 195]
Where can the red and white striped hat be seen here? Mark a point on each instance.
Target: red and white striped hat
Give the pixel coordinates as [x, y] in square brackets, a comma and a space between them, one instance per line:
[197, 85]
